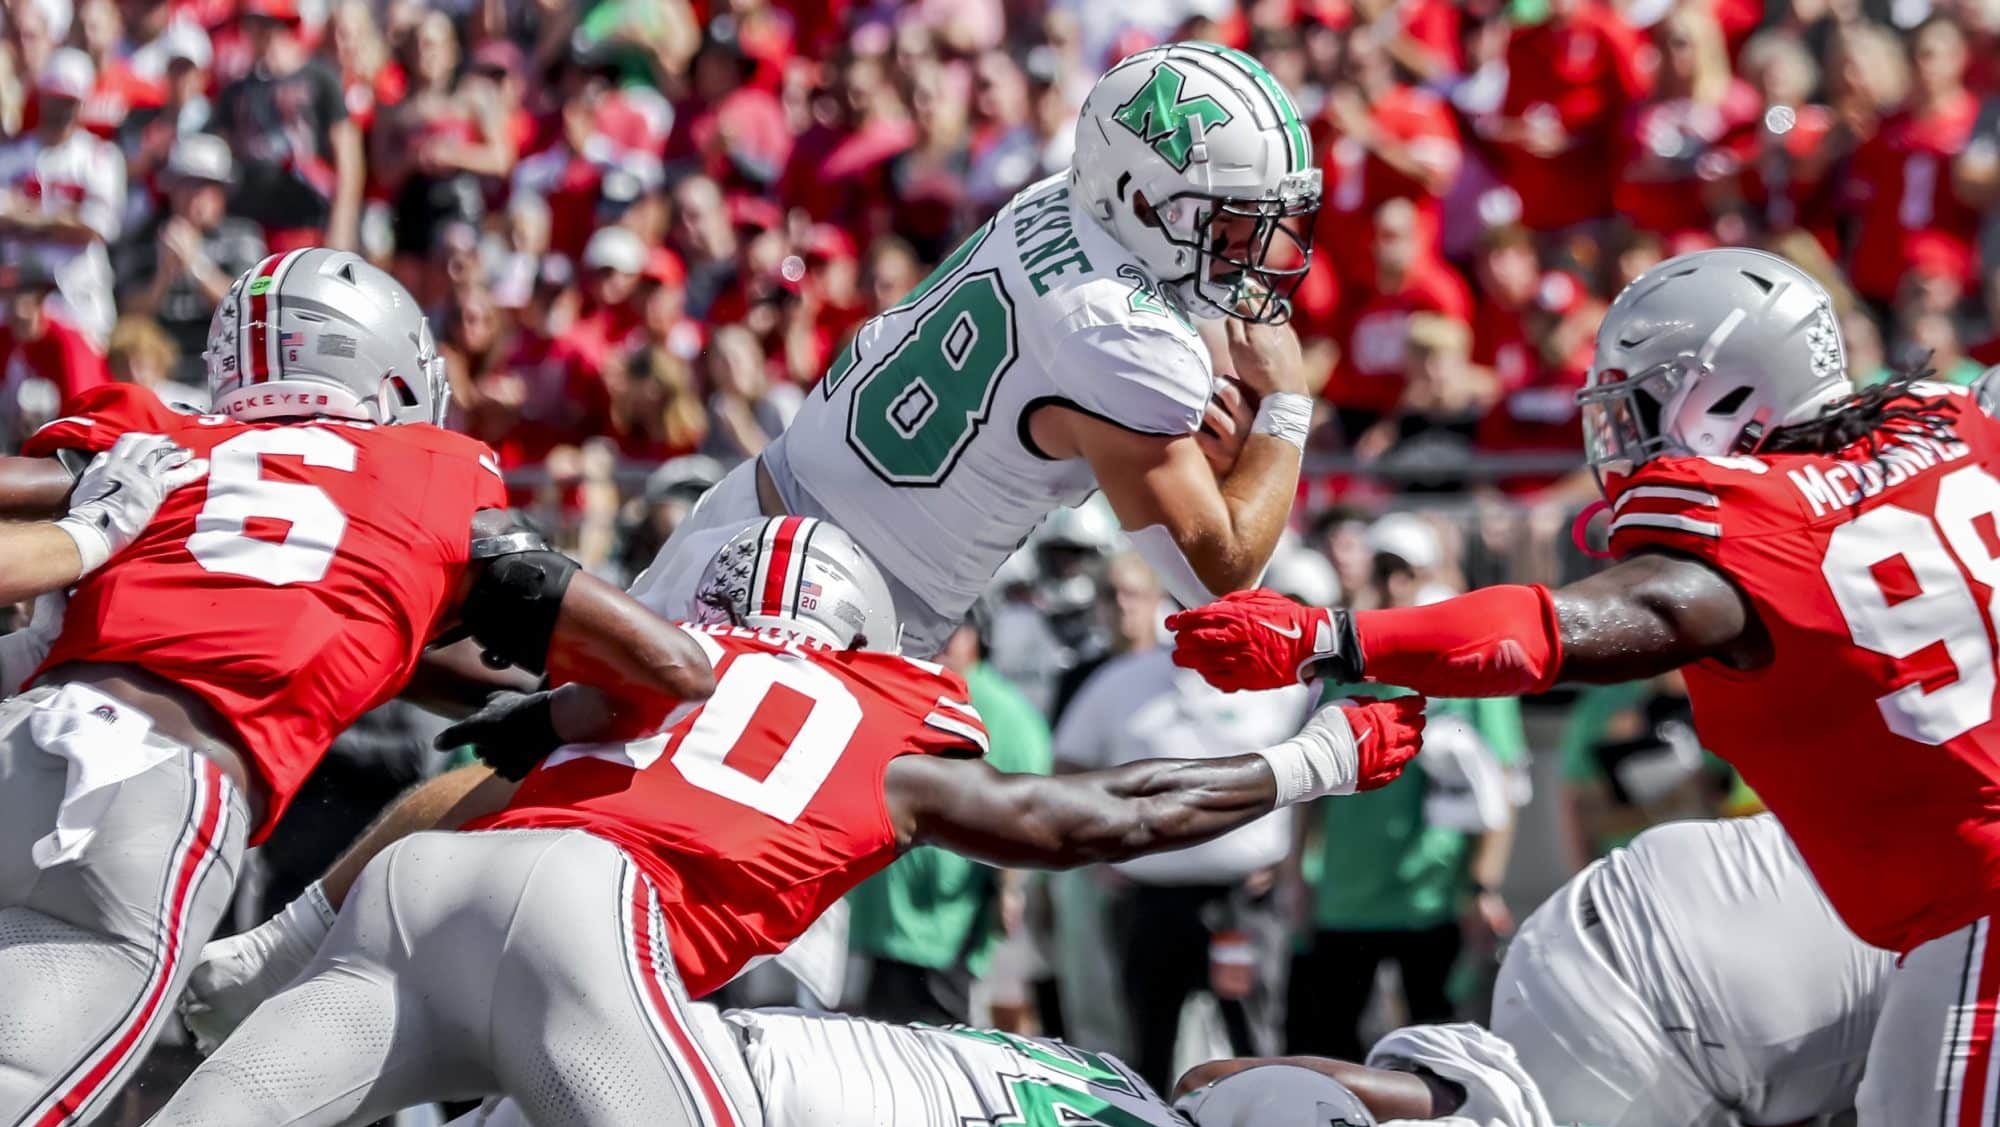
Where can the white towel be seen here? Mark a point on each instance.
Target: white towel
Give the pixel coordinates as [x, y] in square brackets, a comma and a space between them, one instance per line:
[1468, 788]
[104, 743]
[1498, 1091]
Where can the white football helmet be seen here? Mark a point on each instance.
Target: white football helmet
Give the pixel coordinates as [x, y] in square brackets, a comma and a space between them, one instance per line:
[802, 574]
[321, 332]
[1275, 1095]
[1708, 353]
[1213, 143]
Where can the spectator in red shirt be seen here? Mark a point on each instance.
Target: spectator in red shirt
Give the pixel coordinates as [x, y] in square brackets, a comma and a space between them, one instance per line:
[369, 79]
[1570, 80]
[43, 362]
[1383, 140]
[1424, 37]
[437, 148]
[656, 411]
[614, 267]
[1369, 380]
[733, 128]
[1907, 203]
[1687, 135]
[927, 181]
[836, 169]
[569, 172]
[100, 30]
[1508, 277]
[1782, 184]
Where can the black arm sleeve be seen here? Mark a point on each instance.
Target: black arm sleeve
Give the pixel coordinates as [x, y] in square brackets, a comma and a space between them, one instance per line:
[517, 592]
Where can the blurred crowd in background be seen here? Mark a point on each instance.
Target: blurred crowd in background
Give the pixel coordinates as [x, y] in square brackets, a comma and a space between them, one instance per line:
[641, 228]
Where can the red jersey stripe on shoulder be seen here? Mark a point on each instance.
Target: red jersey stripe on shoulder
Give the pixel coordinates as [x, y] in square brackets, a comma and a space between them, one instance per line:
[974, 734]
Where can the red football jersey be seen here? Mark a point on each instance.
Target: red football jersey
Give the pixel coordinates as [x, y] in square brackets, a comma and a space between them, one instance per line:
[1909, 208]
[294, 588]
[1871, 731]
[755, 810]
[1358, 183]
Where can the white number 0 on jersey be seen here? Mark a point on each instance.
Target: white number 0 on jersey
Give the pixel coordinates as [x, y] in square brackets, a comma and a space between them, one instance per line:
[238, 491]
[1944, 611]
[747, 687]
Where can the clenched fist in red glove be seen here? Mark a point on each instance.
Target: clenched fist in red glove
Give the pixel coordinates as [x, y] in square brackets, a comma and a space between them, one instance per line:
[1346, 747]
[1259, 640]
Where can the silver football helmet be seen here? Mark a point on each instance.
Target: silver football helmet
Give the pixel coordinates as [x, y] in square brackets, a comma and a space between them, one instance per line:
[798, 573]
[321, 332]
[1275, 1095]
[1708, 353]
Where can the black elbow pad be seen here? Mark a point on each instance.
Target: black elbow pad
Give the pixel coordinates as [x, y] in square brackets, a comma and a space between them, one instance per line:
[512, 607]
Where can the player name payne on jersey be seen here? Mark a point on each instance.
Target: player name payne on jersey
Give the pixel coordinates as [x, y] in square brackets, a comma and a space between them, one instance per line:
[1899, 459]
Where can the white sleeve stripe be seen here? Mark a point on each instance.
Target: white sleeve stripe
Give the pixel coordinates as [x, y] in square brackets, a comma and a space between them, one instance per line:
[971, 733]
[77, 420]
[961, 706]
[1662, 493]
[1667, 520]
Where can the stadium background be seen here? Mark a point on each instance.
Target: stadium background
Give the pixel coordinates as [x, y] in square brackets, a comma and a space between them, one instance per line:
[642, 227]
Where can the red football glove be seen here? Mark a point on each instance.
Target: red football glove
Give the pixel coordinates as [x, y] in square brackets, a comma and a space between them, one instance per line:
[1387, 735]
[1255, 639]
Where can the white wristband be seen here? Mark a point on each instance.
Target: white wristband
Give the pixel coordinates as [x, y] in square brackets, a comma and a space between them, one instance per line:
[1287, 415]
[314, 898]
[1320, 760]
[91, 544]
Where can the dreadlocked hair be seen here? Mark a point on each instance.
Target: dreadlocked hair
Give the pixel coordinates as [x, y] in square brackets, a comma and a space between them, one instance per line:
[1890, 407]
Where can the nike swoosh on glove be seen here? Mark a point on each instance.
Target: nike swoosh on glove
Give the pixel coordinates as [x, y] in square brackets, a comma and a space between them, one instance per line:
[1387, 735]
[121, 489]
[1256, 639]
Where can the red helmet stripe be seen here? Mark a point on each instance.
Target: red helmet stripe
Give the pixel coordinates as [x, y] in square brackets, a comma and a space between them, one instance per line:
[274, 309]
[781, 555]
[255, 323]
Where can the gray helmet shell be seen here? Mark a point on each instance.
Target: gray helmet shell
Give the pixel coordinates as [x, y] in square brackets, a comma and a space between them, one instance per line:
[1275, 1095]
[804, 575]
[1706, 354]
[320, 332]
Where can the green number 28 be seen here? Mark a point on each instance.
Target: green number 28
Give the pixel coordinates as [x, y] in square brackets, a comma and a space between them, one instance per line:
[916, 409]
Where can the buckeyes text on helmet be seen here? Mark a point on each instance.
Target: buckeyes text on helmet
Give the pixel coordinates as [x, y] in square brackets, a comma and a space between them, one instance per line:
[321, 333]
[1194, 159]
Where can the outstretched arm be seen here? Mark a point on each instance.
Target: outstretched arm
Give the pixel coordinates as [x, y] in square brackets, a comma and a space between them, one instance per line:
[1640, 617]
[1150, 806]
[1060, 821]
[31, 488]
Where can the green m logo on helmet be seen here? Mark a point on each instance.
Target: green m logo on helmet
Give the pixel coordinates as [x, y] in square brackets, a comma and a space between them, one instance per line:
[1160, 117]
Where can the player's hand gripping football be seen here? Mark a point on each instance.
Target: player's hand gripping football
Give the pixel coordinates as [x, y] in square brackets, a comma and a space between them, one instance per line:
[120, 491]
[1266, 357]
[1258, 639]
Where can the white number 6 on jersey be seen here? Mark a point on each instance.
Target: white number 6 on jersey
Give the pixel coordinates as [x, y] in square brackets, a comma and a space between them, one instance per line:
[238, 491]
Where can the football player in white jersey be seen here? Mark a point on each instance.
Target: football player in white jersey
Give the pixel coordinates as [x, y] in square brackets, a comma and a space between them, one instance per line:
[827, 1070]
[1695, 978]
[1055, 352]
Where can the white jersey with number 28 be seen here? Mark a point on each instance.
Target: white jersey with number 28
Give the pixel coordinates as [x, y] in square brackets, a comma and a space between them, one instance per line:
[916, 441]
